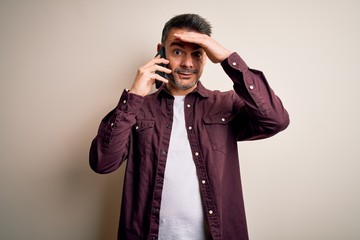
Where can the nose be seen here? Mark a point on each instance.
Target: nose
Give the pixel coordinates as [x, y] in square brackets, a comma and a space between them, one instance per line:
[187, 61]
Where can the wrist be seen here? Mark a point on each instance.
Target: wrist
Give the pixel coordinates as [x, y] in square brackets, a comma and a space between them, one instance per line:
[225, 55]
[137, 92]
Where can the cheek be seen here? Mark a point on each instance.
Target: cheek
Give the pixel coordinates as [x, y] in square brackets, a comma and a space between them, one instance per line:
[200, 65]
[173, 63]
[200, 62]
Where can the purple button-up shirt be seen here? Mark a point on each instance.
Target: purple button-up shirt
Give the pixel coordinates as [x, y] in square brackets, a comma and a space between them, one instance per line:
[138, 130]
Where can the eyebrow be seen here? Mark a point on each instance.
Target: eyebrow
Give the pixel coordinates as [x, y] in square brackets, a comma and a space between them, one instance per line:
[177, 44]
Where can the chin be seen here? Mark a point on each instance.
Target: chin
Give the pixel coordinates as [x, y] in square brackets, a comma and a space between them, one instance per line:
[184, 84]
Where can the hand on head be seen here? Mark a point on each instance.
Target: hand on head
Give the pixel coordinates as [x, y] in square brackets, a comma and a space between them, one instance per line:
[214, 50]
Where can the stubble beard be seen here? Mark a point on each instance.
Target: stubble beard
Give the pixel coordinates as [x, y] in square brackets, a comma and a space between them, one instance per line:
[183, 85]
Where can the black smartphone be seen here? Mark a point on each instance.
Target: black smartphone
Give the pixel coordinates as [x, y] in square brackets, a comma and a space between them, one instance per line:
[162, 54]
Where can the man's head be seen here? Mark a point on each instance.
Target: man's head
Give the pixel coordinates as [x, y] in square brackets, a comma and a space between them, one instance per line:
[192, 22]
[186, 60]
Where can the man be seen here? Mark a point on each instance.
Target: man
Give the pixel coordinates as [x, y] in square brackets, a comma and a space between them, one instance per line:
[182, 178]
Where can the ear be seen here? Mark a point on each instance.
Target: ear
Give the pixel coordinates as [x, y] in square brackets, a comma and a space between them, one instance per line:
[159, 46]
[205, 58]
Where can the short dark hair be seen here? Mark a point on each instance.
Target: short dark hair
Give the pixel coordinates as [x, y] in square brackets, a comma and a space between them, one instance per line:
[193, 22]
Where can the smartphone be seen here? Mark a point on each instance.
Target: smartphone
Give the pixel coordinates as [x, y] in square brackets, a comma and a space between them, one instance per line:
[162, 54]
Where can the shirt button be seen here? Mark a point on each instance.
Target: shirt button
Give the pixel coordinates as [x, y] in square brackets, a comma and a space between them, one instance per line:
[112, 124]
[223, 119]
[211, 212]
[203, 181]
[136, 127]
[124, 101]
[196, 154]
[190, 127]
[188, 105]
[251, 87]
[163, 152]
[234, 63]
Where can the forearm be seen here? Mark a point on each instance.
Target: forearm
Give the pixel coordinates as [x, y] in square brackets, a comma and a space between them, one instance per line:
[266, 113]
[110, 147]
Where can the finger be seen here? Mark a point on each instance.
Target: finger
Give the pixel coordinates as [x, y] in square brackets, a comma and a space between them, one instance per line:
[156, 76]
[160, 61]
[190, 37]
[156, 60]
[161, 69]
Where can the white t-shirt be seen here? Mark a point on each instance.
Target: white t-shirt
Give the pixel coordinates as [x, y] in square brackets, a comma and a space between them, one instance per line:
[181, 212]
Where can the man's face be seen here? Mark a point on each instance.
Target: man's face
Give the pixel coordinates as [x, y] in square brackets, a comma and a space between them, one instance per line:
[186, 60]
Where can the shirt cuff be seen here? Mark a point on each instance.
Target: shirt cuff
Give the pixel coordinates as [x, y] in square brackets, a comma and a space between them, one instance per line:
[129, 102]
[236, 62]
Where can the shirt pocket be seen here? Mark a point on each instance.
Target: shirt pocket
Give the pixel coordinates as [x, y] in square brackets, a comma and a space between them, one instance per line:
[217, 127]
[143, 131]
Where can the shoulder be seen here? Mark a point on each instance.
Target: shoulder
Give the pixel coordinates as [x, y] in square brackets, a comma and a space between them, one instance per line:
[223, 96]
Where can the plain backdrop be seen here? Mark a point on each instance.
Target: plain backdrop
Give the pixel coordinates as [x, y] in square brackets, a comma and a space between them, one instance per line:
[64, 64]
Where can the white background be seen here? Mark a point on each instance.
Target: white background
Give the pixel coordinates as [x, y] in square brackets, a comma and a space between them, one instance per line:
[64, 64]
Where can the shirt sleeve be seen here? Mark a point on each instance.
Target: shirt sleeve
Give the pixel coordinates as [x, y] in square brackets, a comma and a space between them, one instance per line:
[265, 113]
[110, 147]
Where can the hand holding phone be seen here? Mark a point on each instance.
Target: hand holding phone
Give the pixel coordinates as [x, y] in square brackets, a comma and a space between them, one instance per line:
[149, 74]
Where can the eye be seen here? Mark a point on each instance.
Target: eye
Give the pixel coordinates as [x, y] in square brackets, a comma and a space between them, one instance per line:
[177, 52]
[197, 54]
